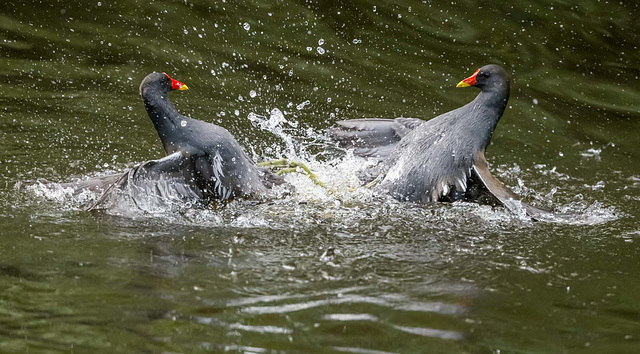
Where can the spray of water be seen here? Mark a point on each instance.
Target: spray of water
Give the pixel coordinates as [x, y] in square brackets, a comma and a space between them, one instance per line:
[342, 201]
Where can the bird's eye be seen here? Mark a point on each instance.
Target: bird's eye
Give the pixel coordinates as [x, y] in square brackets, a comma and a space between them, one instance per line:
[484, 74]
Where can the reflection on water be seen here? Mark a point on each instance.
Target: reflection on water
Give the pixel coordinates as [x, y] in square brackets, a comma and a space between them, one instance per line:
[317, 271]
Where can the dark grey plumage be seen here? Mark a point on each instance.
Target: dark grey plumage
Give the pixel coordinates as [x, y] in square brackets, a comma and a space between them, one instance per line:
[204, 161]
[435, 160]
[217, 164]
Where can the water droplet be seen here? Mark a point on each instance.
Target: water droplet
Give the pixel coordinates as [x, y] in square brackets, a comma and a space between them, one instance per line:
[302, 105]
[320, 50]
[246, 26]
[252, 94]
[321, 41]
[535, 101]
[183, 123]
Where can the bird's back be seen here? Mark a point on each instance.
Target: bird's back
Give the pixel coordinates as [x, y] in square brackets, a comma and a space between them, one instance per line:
[222, 162]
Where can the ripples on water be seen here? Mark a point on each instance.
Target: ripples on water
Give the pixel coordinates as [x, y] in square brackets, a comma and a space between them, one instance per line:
[317, 271]
[336, 238]
[337, 267]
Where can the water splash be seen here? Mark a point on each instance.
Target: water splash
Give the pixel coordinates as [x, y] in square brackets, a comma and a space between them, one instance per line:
[343, 203]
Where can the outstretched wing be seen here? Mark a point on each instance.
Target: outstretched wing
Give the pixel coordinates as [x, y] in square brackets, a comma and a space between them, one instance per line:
[96, 184]
[509, 199]
[167, 180]
[372, 137]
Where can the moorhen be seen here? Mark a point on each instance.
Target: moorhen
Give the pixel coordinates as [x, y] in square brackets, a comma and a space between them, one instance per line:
[441, 159]
[204, 161]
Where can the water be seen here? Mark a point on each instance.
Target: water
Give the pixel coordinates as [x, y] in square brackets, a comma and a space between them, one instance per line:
[317, 271]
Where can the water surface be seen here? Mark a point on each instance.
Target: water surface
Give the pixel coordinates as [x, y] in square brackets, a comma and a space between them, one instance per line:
[314, 271]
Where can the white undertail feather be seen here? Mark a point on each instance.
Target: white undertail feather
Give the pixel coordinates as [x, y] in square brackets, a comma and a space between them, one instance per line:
[217, 165]
[443, 188]
[220, 189]
[461, 183]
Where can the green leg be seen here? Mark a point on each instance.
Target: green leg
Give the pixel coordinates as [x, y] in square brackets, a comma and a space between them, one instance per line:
[283, 171]
[374, 182]
[283, 166]
[312, 176]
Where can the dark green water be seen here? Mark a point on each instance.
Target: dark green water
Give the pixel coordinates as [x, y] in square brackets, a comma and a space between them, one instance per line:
[314, 272]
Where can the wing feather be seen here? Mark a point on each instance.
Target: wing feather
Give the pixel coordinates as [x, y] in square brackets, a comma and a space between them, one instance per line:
[499, 190]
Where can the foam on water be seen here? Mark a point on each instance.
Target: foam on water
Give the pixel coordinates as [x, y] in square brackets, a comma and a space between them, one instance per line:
[63, 196]
[343, 203]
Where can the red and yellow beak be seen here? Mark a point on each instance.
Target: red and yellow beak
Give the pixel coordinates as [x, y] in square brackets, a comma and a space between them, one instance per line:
[177, 85]
[470, 81]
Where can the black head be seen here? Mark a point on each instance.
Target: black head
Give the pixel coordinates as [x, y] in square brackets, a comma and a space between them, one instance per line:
[161, 82]
[487, 78]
